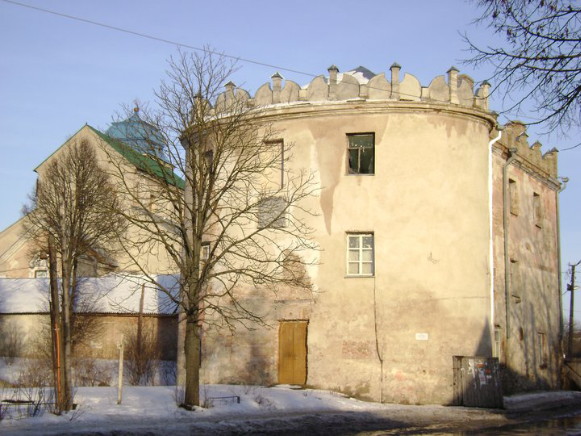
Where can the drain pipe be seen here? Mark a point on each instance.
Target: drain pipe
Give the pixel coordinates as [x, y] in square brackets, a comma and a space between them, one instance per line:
[505, 212]
[564, 181]
[490, 225]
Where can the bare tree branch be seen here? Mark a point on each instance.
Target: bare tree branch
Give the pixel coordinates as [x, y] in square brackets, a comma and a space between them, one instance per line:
[223, 208]
[541, 61]
[74, 206]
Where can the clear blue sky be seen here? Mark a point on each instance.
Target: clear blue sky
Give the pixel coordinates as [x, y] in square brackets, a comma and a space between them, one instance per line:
[57, 74]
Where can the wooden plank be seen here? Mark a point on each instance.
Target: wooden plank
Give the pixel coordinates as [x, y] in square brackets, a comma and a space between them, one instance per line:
[300, 351]
[292, 355]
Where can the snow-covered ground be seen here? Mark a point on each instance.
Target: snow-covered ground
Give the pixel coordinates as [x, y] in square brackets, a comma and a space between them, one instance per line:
[264, 410]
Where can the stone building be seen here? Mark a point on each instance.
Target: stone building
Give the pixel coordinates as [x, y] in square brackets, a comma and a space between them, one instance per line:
[24, 265]
[438, 236]
[119, 150]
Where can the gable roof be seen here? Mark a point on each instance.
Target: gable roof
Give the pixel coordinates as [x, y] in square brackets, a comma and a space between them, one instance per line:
[153, 166]
[146, 163]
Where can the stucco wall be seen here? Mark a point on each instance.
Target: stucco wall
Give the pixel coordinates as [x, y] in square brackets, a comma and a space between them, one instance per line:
[528, 313]
[390, 337]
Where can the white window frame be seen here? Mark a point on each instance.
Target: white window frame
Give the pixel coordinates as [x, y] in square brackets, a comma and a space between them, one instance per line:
[360, 250]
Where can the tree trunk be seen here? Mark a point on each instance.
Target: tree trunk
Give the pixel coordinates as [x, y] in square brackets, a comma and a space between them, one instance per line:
[66, 333]
[55, 327]
[192, 352]
[140, 320]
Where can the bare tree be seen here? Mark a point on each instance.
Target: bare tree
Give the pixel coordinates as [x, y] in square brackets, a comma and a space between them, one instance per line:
[541, 58]
[71, 216]
[222, 202]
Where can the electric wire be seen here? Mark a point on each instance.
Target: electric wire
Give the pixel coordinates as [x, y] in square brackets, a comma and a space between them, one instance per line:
[156, 38]
[192, 47]
[201, 49]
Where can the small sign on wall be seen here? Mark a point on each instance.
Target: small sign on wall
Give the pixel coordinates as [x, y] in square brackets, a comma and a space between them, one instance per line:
[422, 337]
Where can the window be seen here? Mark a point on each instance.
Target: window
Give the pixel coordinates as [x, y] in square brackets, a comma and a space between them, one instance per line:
[39, 266]
[275, 172]
[542, 350]
[515, 283]
[40, 274]
[361, 153]
[271, 213]
[497, 341]
[360, 254]
[513, 196]
[537, 210]
[205, 255]
[152, 206]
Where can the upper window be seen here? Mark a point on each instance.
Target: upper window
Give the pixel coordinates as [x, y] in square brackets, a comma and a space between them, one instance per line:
[537, 210]
[361, 153]
[360, 254]
[513, 197]
[205, 254]
[271, 213]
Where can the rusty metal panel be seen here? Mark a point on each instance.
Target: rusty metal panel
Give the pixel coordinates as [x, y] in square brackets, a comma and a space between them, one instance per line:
[477, 382]
[292, 354]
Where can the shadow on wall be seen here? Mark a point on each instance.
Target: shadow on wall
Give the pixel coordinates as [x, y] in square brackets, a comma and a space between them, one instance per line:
[533, 352]
[481, 381]
[167, 331]
[258, 366]
[534, 361]
[11, 340]
[477, 380]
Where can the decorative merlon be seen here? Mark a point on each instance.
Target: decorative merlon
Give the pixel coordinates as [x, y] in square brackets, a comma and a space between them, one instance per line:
[515, 136]
[451, 88]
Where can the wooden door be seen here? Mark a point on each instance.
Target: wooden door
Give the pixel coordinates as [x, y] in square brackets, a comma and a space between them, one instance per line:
[292, 352]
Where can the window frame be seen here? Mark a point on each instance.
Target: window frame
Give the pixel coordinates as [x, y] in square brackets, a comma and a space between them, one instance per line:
[350, 147]
[360, 249]
[40, 273]
[205, 252]
[280, 144]
[513, 197]
[266, 209]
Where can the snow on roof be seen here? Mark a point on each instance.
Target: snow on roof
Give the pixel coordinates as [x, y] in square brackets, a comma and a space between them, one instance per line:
[23, 295]
[362, 74]
[107, 294]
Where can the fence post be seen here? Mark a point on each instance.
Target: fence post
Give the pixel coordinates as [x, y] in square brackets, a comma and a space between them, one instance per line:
[120, 375]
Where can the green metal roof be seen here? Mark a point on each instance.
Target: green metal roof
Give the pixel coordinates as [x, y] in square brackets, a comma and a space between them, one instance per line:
[139, 134]
[142, 161]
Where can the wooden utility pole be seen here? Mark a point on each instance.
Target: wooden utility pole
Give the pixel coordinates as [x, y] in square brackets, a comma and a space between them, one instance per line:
[571, 288]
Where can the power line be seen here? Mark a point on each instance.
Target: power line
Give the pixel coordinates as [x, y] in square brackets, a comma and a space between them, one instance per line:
[181, 44]
[156, 38]
[192, 47]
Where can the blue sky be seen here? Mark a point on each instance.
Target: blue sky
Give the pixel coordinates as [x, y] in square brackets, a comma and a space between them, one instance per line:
[56, 74]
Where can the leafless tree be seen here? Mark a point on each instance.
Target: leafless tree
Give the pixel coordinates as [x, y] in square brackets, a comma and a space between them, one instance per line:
[222, 202]
[540, 60]
[71, 216]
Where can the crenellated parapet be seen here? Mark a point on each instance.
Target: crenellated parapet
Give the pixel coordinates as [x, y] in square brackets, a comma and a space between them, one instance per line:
[515, 137]
[361, 84]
